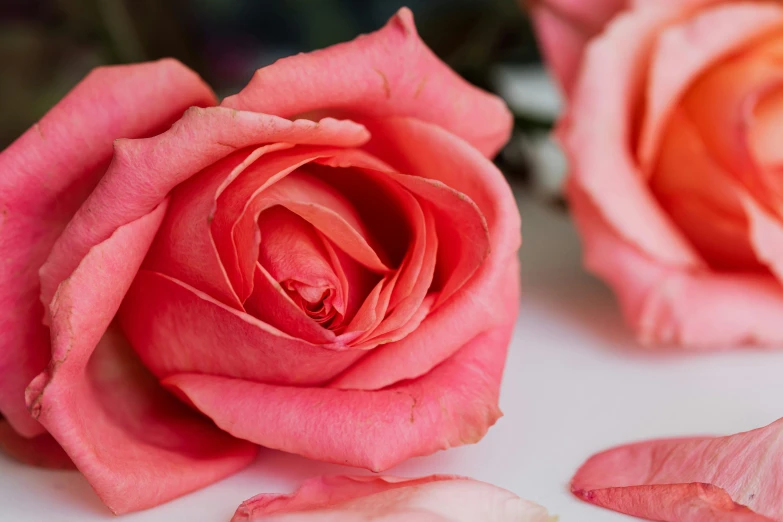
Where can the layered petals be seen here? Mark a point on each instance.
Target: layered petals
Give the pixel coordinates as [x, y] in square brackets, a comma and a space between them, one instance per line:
[602, 163]
[47, 174]
[735, 478]
[387, 73]
[177, 329]
[697, 309]
[565, 27]
[104, 409]
[429, 152]
[143, 172]
[452, 405]
[438, 498]
[686, 50]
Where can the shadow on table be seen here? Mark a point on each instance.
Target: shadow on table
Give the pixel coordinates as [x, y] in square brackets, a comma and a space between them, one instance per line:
[553, 277]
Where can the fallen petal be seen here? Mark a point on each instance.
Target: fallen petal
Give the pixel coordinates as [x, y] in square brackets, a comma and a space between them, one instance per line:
[438, 498]
[734, 478]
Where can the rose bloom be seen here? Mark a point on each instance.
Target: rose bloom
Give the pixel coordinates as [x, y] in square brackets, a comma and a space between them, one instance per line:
[674, 131]
[439, 498]
[324, 264]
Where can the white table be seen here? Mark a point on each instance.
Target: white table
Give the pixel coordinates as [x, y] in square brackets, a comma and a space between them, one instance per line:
[575, 383]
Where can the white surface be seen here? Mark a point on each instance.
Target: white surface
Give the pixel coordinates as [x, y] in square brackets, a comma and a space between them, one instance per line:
[575, 383]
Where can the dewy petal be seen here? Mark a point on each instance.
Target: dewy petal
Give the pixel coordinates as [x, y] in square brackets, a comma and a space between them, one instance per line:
[110, 415]
[387, 73]
[602, 162]
[144, 171]
[684, 50]
[46, 175]
[437, 498]
[41, 450]
[427, 151]
[696, 309]
[659, 479]
[176, 328]
[565, 27]
[454, 404]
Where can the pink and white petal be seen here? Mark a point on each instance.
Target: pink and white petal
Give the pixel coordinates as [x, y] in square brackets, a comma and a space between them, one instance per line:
[175, 328]
[684, 50]
[602, 162]
[390, 72]
[454, 404]
[144, 171]
[442, 498]
[565, 27]
[746, 466]
[699, 310]
[137, 445]
[47, 174]
[41, 450]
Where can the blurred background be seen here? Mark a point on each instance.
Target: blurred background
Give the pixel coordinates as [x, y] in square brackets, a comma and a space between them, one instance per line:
[47, 46]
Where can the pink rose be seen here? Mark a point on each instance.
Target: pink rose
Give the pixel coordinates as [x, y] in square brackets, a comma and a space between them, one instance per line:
[564, 27]
[438, 498]
[673, 132]
[324, 264]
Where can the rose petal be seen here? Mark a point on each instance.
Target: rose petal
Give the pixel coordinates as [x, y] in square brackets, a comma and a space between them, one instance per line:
[766, 236]
[721, 104]
[452, 405]
[110, 416]
[144, 171]
[272, 305]
[564, 28]
[176, 328]
[387, 73]
[47, 174]
[427, 151]
[696, 309]
[684, 50]
[601, 162]
[274, 181]
[438, 498]
[184, 248]
[764, 133]
[702, 198]
[747, 466]
[292, 250]
[694, 502]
